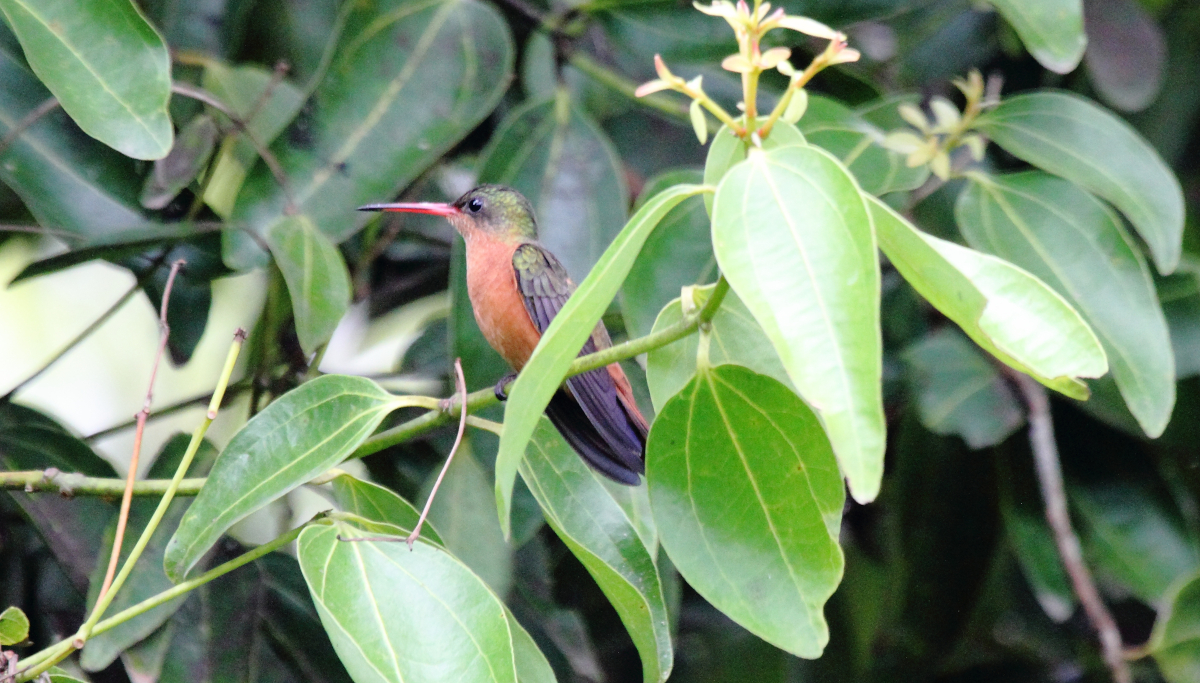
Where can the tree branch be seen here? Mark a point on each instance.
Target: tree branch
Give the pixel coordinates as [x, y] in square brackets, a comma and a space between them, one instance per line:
[1050, 479]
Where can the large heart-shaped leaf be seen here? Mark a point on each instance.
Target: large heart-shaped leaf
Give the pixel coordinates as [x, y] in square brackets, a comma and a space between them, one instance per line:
[563, 163]
[747, 497]
[1009, 313]
[316, 277]
[1076, 244]
[108, 68]
[405, 616]
[734, 337]
[560, 345]
[580, 509]
[1052, 30]
[409, 79]
[303, 433]
[1069, 136]
[793, 236]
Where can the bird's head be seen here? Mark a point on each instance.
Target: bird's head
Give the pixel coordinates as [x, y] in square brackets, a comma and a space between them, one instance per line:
[494, 211]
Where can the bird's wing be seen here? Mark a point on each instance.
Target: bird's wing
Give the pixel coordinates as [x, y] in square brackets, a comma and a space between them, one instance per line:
[545, 287]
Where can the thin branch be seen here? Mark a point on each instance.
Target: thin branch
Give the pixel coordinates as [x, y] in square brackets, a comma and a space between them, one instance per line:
[69, 484]
[1050, 479]
[266, 154]
[127, 497]
[462, 427]
[31, 118]
[39, 230]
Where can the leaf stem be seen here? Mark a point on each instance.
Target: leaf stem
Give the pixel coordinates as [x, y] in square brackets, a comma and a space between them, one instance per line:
[127, 496]
[78, 640]
[64, 647]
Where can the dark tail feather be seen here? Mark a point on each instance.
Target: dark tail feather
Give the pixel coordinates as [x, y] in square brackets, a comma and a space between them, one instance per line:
[617, 462]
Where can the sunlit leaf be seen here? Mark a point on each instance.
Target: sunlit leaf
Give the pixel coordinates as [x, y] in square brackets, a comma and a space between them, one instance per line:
[1052, 30]
[106, 65]
[317, 279]
[14, 626]
[405, 616]
[1070, 136]
[564, 338]
[378, 504]
[728, 149]
[303, 433]
[1076, 244]
[748, 500]
[1002, 308]
[580, 509]
[793, 236]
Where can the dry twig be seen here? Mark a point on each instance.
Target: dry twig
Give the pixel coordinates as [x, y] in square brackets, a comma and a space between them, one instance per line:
[1050, 479]
[143, 414]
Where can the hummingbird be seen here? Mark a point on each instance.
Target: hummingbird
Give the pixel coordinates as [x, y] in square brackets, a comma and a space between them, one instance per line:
[516, 287]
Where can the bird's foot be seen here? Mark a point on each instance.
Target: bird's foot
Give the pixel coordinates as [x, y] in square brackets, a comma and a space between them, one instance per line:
[501, 388]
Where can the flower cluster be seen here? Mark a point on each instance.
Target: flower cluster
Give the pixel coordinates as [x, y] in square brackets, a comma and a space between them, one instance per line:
[935, 141]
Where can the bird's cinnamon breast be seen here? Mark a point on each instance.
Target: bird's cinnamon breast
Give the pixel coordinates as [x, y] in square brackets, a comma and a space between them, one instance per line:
[497, 303]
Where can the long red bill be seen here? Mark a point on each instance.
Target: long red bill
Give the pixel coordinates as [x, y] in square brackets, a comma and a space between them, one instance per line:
[434, 208]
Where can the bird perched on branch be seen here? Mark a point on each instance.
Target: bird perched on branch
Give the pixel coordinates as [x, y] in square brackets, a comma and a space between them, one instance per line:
[516, 288]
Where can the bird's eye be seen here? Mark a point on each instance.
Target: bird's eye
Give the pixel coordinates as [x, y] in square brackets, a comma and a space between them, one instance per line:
[475, 205]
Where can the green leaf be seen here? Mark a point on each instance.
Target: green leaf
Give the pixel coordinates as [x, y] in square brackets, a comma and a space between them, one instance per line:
[727, 150]
[1009, 313]
[147, 578]
[57, 675]
[65, 179]
[856, 142]
[1076, 244]
[1069, 136]
[1133, 533]
[405, 616]
[72, 529]
[580, 509]
[747, 497]
[1128, 79]
[379, 504]
[316, 276]
[242, 89]
[959, 392]
[465, 516]
[108, 68]
[565, 166]
[303, 433]
[116, 246]
[1052, 30]
[182, 165]
[677, 254]
[734, 337]
[560, 345]
[532, 666]
[1175, 641]
[793, 237]
[14, 626]
[409, 79]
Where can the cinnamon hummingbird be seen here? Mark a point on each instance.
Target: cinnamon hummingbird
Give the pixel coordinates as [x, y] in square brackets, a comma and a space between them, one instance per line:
[516, 287]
